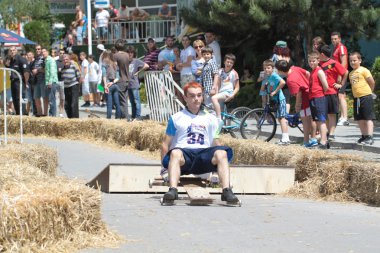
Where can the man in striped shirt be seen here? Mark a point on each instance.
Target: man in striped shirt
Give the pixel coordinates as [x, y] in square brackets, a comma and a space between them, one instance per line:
[71, 76]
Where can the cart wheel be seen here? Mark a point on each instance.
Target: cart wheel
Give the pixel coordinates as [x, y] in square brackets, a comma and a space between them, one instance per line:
[150, 183]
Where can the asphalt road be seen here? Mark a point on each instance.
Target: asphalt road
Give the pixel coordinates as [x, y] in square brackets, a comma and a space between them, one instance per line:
[265, 223]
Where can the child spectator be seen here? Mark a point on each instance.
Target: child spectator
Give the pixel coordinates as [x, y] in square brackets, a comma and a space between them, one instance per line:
[135, 67]
[363, 85]
[263, 78]
[298, 84]
[229, 85]
[210, 75]
[273, 87]
[84, 79]
[333, 70]
[93, 70]
[318, 102]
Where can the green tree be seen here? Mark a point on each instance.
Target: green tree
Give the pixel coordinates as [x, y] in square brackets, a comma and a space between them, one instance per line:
[38, 31]
[14, 10]
[251, 27]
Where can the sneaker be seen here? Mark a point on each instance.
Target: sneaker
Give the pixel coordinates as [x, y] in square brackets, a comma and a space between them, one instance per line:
[323, 146]
[283, 143]
[312, 143]
[61, 115]
[368, 140]
[86, 104]
[171, 195]
[343, 122]
[361, 139]
[331, 137]
[228, 195]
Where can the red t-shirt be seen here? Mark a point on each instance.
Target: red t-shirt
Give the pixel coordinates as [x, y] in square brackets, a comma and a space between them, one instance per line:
[332, 69]
[316, 88]
[340, 50]
[298, 81]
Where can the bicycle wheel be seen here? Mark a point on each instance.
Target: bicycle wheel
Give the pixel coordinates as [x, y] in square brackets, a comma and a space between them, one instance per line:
[258, 124]
[233, 120]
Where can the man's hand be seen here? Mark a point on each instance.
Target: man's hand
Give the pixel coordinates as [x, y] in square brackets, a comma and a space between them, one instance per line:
[49, 85]
[272, 93]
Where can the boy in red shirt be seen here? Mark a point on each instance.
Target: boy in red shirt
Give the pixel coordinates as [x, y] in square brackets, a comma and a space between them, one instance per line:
[297, 80]
[334, 71]
[318, 103]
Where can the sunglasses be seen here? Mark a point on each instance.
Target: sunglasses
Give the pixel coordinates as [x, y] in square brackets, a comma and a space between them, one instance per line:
[198, 47]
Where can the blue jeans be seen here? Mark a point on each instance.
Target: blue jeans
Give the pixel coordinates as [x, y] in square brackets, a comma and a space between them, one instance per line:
[134, 98]
[113, 99]
[52, 100]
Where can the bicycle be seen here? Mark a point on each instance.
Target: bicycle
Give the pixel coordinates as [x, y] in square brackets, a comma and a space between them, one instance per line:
[232, 120]
[261, 124]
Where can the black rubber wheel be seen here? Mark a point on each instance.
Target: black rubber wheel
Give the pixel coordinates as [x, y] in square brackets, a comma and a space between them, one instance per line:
[259, 125]
[238, 114]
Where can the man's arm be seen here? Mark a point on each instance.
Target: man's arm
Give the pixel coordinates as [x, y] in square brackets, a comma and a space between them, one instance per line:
[343, 60]
[216, 142]
[165, 145]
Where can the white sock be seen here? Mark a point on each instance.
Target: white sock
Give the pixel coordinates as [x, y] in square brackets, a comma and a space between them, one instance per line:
[285, 137]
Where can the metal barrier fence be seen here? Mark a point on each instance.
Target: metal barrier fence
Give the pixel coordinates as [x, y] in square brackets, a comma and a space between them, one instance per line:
[138, 31]
[5, 104]
[161, 95]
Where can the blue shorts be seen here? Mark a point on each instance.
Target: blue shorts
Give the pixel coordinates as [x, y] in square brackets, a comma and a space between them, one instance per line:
[40, 90]
[198, 161]
[281, 109]
[318, 107]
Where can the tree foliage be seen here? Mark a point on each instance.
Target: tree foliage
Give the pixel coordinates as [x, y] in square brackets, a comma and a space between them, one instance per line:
[38, 31]
[14, 10]
[250, 28]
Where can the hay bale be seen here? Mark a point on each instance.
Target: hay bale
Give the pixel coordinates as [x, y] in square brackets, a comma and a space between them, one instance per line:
[49, 212]
[36, 155]
[321, 174]
[42, 212]
[365, 182]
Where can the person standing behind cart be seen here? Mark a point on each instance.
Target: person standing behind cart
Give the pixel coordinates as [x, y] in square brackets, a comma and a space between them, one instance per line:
[20, 64]
[191, 145]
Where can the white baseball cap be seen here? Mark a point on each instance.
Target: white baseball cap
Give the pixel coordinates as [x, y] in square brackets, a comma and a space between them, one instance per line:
[100, 47]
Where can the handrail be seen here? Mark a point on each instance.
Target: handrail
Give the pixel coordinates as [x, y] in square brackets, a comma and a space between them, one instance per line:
[160, 88]
[5, 104]
[136, 31]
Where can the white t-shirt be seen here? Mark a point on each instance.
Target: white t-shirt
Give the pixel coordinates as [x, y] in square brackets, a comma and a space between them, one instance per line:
[101, 18]
[216, 52]
[189, 51]
[228, 80]
[123, 14]
[84, 65]
[192, 131]
[93, 70]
